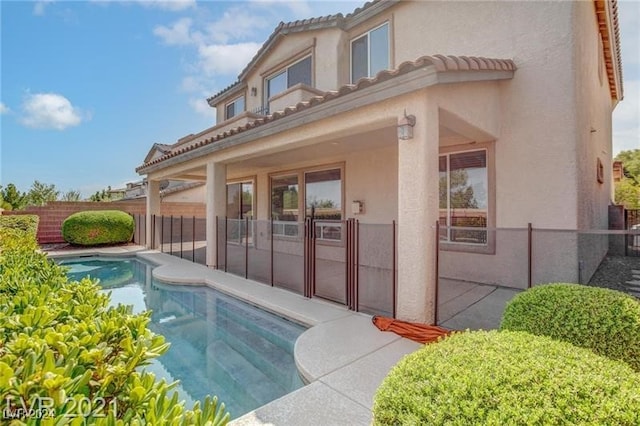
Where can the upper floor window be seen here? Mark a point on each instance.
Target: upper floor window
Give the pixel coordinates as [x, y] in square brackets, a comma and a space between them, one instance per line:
[299, 72]
[234, 108]
[370, 53]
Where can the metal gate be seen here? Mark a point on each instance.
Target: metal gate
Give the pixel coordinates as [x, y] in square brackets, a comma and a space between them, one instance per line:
[632, 224]
[331, 260]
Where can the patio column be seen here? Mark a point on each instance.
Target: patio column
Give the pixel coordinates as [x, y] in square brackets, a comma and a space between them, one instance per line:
[216, 206]
[417, 214]
[153, 208]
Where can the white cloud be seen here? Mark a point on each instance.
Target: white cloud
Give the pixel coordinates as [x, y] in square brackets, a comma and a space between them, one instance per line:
[236, 24]
[40, 6]
[170, 5]
[50, 111]
[226, 58]
[201, 106]
[299, 8]
[177, 34]
[224, 45]
[4, 109]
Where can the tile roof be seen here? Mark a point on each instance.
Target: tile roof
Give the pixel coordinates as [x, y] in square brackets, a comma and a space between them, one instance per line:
[440, 62]
[611, 48]
[283, 28]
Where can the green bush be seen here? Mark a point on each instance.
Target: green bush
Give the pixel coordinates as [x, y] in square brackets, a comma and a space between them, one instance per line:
[605, 321]
[68, 357]
[24, 222]
[496, 378]
[91, 228]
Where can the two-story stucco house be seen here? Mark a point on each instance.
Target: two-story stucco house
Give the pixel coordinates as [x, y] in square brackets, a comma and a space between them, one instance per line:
[389, 111]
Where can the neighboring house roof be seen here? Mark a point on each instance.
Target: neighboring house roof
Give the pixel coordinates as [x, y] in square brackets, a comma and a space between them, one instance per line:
[284, 28]
[157, 147]
[179, 188]
[607, 15]
[440, 62]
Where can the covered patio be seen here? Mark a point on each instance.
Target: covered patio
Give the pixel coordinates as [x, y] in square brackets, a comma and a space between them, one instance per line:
[347, 139]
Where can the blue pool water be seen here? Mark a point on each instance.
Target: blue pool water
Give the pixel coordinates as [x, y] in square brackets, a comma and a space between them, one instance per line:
[219, 345]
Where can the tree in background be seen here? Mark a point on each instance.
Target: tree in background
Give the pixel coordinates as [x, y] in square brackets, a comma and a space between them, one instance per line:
[105, 195]
[13, 199]
[41, 193]
[71, 195]
[627, 191]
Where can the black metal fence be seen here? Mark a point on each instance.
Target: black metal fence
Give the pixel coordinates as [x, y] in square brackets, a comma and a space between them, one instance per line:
[355, 264]
[181, 236]
[632, 223]
[513, 259]
[347, 262]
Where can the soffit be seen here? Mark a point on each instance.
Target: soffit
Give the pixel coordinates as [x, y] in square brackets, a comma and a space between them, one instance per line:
[472, 67]
[607, 15]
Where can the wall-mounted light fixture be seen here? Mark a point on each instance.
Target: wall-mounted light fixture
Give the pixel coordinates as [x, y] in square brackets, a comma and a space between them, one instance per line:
[254, 91]
[405, 126]
[357, 207]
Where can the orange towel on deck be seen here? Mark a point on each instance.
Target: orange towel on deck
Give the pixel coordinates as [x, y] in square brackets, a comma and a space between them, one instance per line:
[421, 333]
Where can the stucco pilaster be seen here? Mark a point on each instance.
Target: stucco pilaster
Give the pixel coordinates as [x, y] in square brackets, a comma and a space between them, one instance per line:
[216, 190]
[417, 214]
[153, 208]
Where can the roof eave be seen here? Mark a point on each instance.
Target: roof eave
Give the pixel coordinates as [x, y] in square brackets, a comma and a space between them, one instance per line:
[347, 22]
[235, 88]
[607, 17]
[409, 77]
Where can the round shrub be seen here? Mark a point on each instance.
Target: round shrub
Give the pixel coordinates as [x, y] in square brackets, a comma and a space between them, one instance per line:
[92, 228]
[603, 320]
[507, 377]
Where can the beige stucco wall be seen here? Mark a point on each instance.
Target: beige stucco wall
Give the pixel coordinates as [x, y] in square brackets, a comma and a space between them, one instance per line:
[321, 44]
[370, 176]
[593, 138]
[540, 123]
[191, 195]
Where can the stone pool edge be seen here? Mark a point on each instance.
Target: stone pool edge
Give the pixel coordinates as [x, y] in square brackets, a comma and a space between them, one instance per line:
[342, 356]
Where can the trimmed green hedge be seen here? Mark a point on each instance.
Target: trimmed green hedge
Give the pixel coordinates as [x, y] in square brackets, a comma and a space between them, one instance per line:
[91, 228]
[496, 378]
[24, 222]
[63, 348]
[603, 320]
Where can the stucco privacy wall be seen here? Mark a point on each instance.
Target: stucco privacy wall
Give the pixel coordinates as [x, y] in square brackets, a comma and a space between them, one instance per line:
[54, 213]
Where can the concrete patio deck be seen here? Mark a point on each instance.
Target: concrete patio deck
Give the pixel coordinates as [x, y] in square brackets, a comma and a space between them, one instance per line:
[342, 356]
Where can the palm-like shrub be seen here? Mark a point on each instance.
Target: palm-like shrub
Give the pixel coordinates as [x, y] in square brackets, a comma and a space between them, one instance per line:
[63, 347]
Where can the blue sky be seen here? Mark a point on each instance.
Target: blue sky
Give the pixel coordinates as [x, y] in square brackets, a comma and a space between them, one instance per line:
[88, 86]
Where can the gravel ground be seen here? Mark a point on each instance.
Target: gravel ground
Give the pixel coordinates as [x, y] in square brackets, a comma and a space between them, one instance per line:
[615, 271]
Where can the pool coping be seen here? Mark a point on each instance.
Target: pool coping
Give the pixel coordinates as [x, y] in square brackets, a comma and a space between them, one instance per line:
[342, 356]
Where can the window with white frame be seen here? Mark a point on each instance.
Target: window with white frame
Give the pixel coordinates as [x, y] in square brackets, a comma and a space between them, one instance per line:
[234, 108]
[298, 72]
[464, 197]
[370, 53]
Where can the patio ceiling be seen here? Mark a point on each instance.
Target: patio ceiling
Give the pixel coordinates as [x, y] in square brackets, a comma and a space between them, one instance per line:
[331, 147]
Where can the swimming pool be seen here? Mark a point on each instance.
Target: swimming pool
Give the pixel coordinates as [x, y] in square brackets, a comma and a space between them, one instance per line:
[219, 344]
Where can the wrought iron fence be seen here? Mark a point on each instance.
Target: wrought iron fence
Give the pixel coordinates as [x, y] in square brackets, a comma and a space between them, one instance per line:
[514, 259]
[343, 261]
[180, 236]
